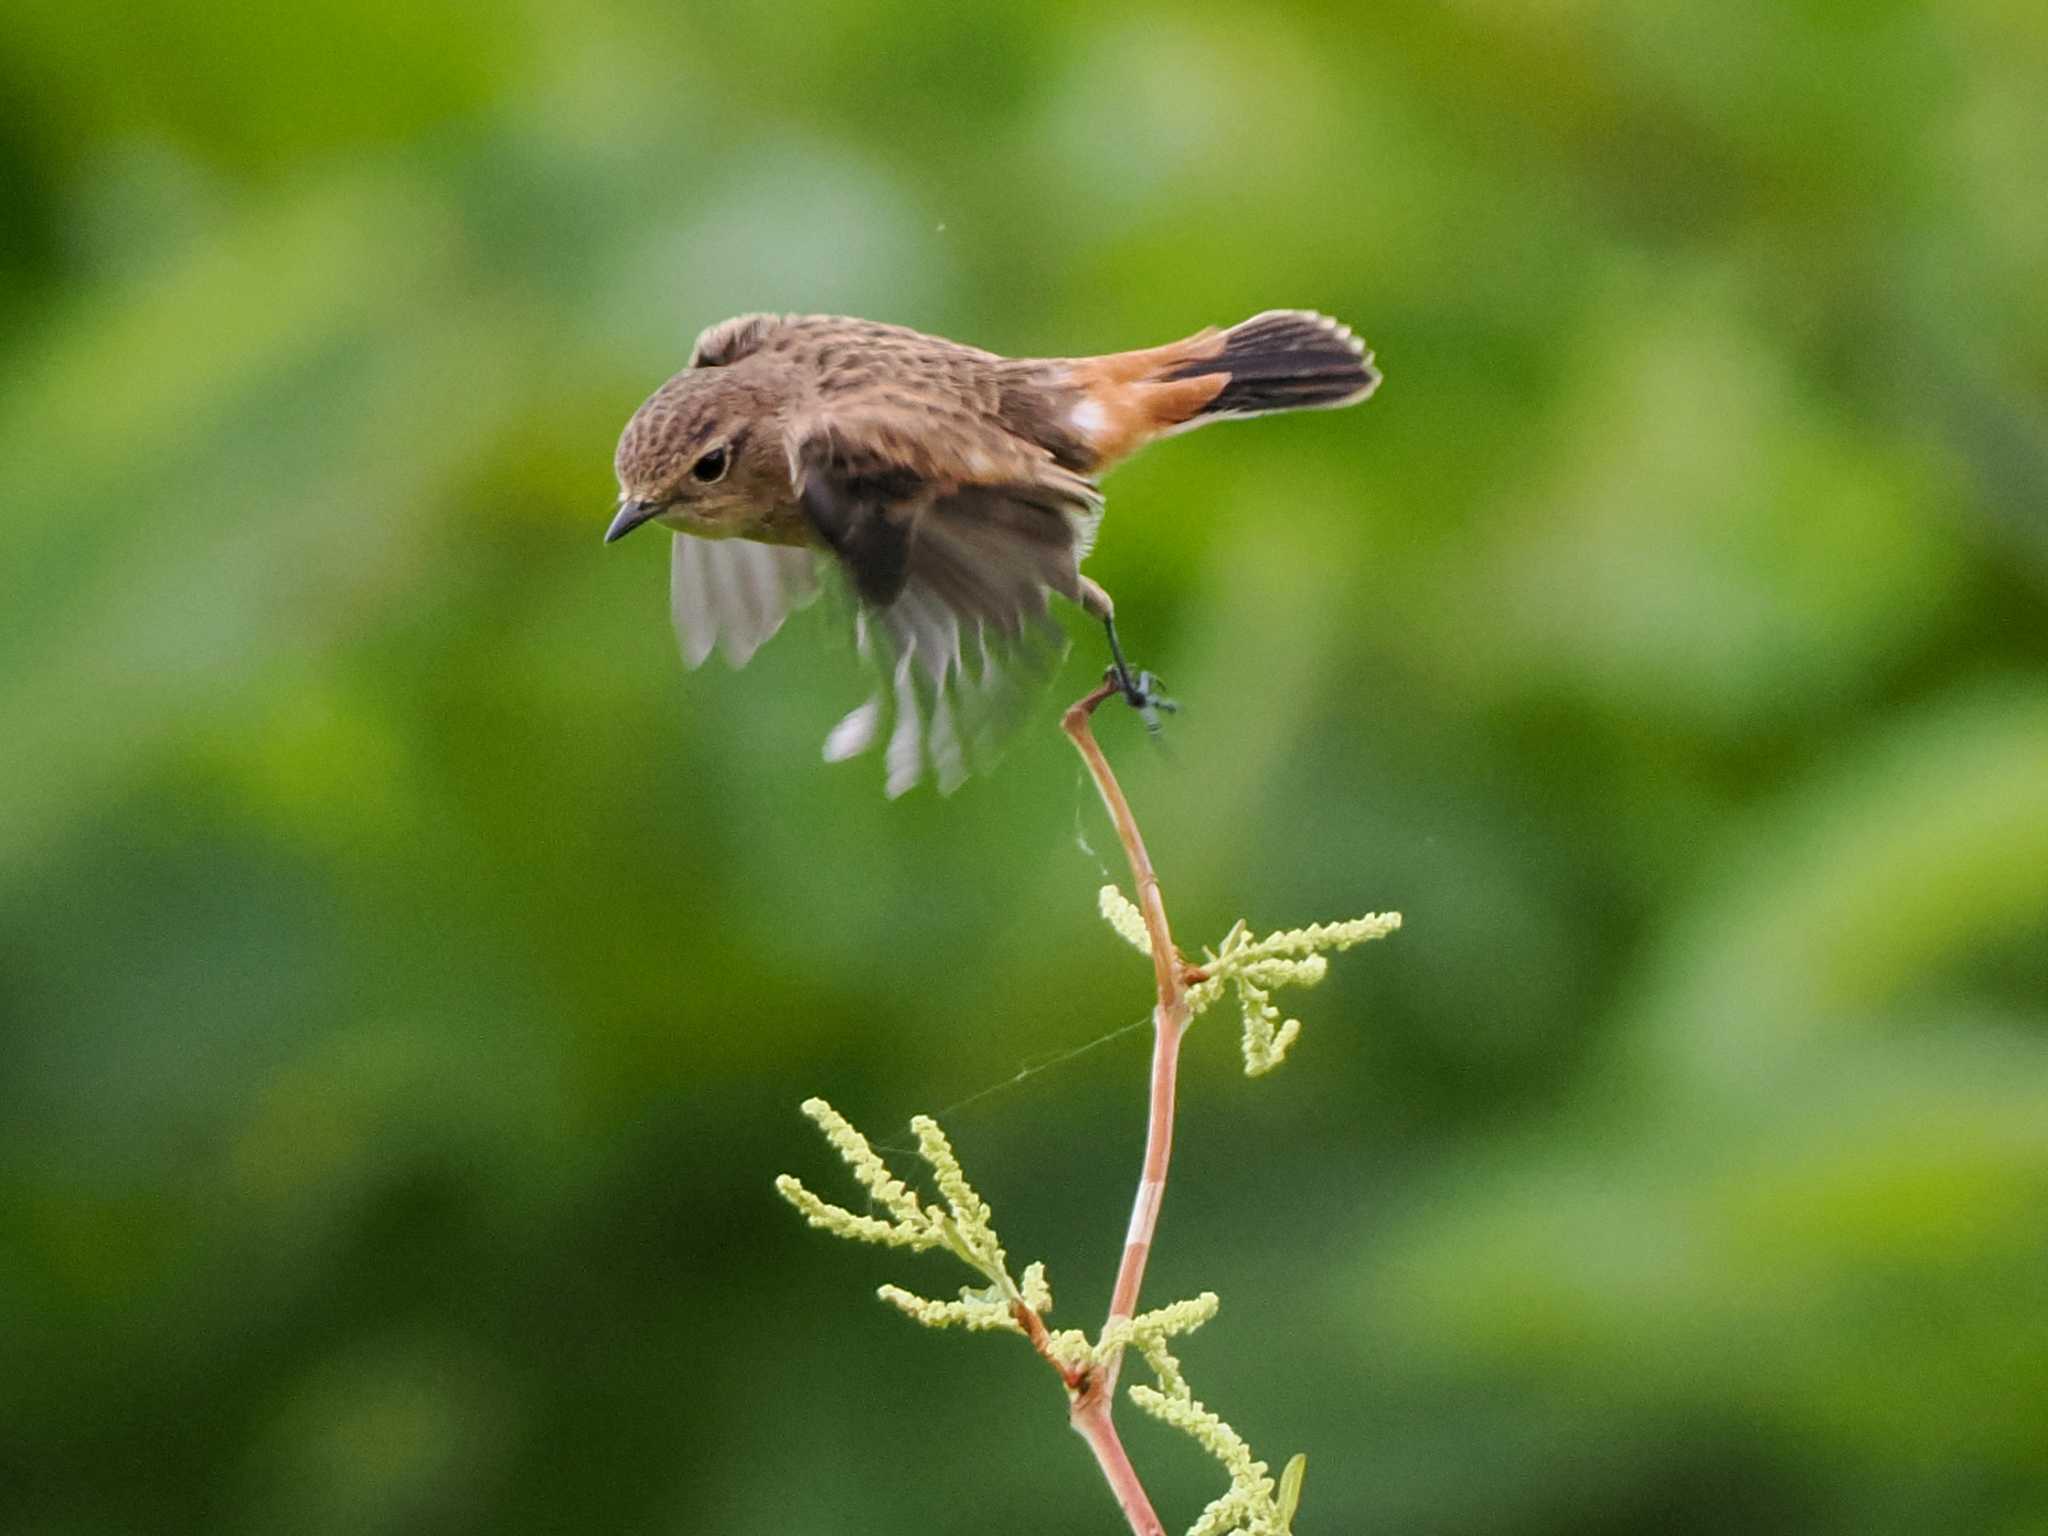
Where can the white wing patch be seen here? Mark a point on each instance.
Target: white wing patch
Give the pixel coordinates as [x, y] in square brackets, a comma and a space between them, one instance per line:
[734, 594]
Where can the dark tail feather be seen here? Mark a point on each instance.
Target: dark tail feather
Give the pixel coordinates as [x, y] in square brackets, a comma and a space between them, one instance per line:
[1286, 360]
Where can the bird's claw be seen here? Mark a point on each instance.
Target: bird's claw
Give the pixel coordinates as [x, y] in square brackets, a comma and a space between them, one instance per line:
[1144, 693]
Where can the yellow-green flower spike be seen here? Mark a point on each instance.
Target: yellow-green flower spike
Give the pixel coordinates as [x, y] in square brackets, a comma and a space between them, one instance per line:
[1254, 1504]
[965, 1227]
[1129, 923]
[888, 1191]
[1291, 957]
[1035, 1288]
[841, 1222]
[975, 1311]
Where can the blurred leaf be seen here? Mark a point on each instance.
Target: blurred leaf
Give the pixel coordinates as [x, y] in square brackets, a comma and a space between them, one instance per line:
[1865, 889]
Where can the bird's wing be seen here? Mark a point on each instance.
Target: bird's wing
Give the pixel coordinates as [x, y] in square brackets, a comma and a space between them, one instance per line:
[952, 533]
[734, 593]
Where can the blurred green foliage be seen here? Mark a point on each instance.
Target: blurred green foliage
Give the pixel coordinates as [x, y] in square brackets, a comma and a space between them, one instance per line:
[409, 974]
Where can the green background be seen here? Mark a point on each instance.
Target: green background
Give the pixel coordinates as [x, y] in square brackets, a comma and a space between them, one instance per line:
[409, 973]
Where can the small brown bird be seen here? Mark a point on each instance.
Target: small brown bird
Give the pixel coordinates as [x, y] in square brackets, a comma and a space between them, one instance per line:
[953, 488]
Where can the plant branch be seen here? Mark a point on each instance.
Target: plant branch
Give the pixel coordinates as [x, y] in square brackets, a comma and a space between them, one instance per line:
[899, 1217]
[1092, 1402]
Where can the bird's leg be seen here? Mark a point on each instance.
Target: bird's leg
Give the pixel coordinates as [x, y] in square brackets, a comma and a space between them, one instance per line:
[1141, 690]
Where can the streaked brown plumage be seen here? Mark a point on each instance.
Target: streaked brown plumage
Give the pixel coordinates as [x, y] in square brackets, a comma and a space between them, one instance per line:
[954, 489]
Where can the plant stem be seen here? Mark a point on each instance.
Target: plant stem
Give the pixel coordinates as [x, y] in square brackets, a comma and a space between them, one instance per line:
[1091, 1404]
[1095, 1427]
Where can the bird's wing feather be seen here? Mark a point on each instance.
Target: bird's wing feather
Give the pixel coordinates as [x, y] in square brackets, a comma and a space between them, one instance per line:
[734, 593]
[953, 542]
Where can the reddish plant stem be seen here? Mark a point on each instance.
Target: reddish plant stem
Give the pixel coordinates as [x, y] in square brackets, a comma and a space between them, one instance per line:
[1034, 1330]
[1101, 1436]
[1093, 1398]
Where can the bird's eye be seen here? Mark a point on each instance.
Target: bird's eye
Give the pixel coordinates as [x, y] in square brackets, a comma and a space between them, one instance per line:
[711, 467]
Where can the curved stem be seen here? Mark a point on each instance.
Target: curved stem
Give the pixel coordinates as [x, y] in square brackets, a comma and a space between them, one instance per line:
[1095, 1397]
[1165, 961]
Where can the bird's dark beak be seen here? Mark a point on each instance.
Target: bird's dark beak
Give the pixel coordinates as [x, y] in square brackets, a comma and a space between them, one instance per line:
[631, 515]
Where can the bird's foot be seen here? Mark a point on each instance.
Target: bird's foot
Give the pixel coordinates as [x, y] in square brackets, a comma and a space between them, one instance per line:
[1143, 692]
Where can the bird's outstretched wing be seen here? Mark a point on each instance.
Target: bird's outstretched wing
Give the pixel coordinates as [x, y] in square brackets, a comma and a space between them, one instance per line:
[952, 536]
[734, 593]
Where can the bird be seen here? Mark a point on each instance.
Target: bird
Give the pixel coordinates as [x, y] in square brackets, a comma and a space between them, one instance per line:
[948, 491]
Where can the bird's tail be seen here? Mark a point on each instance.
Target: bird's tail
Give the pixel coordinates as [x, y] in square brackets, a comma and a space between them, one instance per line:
[1281, 360]
[1285, 360]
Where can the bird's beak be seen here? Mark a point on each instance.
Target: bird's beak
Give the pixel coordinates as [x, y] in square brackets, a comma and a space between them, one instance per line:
[631, 515]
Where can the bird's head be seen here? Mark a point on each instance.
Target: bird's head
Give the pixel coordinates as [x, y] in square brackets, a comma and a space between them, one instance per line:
[701, 454]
